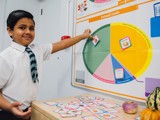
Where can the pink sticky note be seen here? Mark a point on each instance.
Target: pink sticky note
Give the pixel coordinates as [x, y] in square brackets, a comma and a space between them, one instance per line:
[95, 40]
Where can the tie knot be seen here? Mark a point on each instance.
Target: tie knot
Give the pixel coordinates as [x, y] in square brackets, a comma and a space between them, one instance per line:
[28, 49]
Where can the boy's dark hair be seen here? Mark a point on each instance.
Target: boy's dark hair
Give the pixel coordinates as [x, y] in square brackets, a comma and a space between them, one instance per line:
[14, 16]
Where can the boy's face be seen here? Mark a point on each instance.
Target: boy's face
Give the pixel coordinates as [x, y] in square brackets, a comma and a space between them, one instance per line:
[23, 31]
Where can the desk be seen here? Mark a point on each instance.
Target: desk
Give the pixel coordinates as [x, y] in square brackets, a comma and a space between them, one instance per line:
[83, 107]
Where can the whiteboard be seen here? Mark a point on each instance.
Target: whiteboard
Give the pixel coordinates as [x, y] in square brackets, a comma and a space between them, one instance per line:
[125, 60]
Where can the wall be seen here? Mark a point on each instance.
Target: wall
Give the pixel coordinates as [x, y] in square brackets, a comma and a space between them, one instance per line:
[57, 71]
[2, 21]
[50, 26]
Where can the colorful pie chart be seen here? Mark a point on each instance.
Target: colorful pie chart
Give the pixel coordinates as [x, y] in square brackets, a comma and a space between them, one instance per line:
[123, 53]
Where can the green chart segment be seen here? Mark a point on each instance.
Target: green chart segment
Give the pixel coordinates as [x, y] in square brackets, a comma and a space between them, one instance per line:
[93, 56]
[107, 56]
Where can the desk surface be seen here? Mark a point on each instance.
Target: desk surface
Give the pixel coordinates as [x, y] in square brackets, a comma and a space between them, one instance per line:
[83, 107]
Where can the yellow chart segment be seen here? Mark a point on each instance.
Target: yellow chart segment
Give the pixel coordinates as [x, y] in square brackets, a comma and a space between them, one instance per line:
[137, 57]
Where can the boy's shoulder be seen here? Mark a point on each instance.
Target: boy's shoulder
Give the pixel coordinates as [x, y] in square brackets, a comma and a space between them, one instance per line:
[5, 51]
[40, 46]
[6, 54]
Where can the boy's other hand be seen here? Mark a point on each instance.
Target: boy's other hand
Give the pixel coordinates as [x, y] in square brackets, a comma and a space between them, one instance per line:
[18, 112]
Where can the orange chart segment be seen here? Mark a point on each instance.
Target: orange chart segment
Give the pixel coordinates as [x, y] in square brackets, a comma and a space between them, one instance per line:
[131, 47]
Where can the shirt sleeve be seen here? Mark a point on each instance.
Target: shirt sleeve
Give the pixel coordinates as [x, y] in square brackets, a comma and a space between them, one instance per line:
[5, 72]
[46, 50]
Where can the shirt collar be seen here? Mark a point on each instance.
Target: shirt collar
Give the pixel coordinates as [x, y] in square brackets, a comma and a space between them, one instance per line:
[17, 46]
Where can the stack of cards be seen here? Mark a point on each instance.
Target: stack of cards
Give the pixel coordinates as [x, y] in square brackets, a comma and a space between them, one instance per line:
[96, 106]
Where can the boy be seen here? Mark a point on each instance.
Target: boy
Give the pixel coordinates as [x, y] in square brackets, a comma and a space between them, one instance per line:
[21, 65]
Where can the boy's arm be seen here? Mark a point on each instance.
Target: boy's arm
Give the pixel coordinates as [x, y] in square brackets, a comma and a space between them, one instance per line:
[13, 107]
[70, 42]
[4, 104]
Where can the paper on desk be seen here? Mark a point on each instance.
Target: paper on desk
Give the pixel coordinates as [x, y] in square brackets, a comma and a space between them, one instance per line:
[51, 103]
[90, 118]
[64, 115]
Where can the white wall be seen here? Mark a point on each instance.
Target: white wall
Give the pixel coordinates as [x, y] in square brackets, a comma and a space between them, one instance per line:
[50, 26]
[2, 21]
[57, 71]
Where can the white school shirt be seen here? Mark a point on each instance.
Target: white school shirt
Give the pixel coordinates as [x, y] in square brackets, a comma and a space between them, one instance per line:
[15, 75]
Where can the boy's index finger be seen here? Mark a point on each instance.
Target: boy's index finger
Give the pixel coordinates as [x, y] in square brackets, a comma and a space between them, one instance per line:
[91, 37]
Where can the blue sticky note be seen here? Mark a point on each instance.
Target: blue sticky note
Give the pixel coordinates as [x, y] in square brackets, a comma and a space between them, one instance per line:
[155, 27]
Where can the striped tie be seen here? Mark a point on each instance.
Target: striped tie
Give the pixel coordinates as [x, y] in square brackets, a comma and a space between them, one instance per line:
[33, 64]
